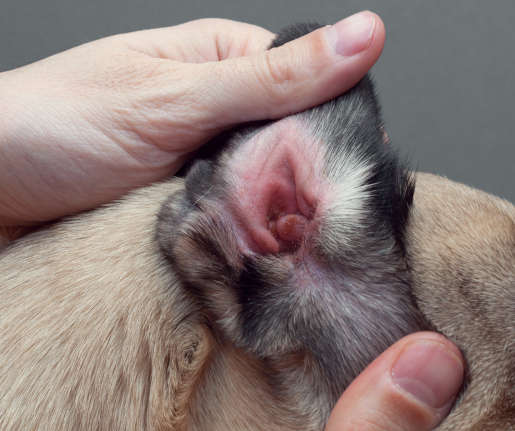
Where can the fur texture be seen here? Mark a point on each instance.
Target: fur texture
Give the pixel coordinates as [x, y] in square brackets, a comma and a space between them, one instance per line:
[461, 247]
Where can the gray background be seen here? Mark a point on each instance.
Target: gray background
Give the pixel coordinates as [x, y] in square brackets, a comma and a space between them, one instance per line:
[445, 78]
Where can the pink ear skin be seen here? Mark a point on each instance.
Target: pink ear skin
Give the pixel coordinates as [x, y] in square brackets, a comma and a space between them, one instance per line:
[278, 184]
[291, 227]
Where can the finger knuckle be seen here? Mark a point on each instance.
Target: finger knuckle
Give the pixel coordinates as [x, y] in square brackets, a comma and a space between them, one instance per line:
[275, 75]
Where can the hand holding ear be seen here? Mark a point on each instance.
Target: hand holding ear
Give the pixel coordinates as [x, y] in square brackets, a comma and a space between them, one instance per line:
[84, 126]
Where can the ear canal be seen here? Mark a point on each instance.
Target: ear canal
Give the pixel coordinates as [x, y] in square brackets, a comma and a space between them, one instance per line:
[291, 227]
[274, 197]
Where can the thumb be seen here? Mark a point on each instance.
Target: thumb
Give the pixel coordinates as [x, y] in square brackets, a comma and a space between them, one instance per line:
[411, 386]
[300, 74]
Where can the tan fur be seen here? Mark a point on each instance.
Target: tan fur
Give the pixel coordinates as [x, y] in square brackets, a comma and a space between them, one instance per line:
[462, 253]
[96, 333]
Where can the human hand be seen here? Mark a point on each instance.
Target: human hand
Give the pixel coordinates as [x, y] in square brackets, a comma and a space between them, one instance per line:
[85, 126]
[410, 387]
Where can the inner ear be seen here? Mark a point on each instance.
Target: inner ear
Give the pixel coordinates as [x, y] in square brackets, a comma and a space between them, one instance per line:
[276, 186]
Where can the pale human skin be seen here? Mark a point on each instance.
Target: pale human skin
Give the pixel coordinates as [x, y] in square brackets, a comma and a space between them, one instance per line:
[85, 126]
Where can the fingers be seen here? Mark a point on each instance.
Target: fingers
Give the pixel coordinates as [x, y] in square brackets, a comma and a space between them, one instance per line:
[202, 40]
[296, 76]
[411, 386]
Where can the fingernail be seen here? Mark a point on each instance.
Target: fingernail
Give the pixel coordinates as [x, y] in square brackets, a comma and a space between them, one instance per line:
[353, 34]
[429, 372]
